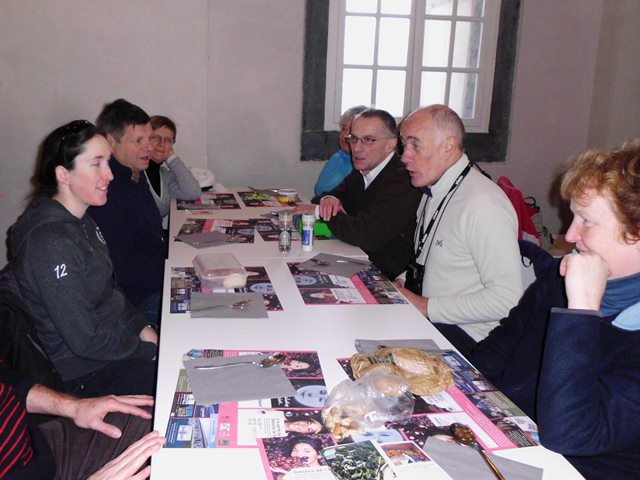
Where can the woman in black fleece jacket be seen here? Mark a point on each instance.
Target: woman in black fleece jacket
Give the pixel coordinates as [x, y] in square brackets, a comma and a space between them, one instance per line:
[99, 343]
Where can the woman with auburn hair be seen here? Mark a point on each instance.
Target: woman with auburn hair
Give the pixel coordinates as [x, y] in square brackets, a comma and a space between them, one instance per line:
[569, 353]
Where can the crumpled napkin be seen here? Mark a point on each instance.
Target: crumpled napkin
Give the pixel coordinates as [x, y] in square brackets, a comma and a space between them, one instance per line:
[203, 240]
[238, 382]
[462, 463]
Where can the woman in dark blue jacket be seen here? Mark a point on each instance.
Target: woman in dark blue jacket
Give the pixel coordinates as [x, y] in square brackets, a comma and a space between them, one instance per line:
[569, 352]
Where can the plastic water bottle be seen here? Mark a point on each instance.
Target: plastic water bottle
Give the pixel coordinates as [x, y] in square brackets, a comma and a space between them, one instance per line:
[285, 220]
[308, 220]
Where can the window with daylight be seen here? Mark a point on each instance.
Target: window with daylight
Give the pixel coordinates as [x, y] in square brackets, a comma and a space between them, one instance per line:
[399, 55]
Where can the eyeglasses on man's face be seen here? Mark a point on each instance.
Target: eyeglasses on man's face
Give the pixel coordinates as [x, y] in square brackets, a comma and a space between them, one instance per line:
[155, 139]
[366, 140]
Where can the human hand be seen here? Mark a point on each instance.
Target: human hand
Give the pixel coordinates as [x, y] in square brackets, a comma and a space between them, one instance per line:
[90, 412]
[148, 334]
[330, 207]
[585, 278]
[167, 154]
[125, 465]
[418, 301]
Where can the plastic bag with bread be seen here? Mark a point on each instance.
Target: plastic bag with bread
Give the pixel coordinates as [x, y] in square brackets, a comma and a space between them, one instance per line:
[426, 374]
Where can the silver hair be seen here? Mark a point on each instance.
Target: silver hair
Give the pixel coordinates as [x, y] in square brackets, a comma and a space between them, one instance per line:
[350, 113]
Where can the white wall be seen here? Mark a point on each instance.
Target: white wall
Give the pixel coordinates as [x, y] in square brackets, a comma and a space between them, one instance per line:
[553, 88]
[230, 74]
[576, 87]
[255, 94]
[615, 114]
[62, 60]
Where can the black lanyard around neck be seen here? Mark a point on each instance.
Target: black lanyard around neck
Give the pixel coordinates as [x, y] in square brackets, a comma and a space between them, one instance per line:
[443, 203]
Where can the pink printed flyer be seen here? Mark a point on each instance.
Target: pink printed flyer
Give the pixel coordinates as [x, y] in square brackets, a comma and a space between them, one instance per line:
[241, 424]
[184, 282]
[237, 231]
[497, 422]
[210, 201]
[368, 286]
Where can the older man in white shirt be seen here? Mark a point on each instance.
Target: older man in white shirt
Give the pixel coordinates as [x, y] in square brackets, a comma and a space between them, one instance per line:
[466, 275]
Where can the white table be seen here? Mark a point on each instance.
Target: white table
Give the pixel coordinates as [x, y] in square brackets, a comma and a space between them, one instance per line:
[328, 329]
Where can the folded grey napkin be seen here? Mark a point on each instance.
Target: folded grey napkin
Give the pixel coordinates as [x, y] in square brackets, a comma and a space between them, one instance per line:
[462, 463]
[215, 305]
[203, 240]
[238, 382]
[372, 346]
[335, 265]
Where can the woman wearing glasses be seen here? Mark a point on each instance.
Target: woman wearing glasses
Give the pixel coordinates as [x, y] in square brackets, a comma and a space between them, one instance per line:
[98, 341]
[168, 176]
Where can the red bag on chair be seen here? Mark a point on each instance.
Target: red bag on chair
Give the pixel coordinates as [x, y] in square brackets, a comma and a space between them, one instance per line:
[524, 211]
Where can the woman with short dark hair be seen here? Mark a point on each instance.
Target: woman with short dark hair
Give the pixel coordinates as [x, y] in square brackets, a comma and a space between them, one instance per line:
[168, 176]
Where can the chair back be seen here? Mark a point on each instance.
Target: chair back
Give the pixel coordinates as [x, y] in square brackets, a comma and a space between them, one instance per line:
[19, 343]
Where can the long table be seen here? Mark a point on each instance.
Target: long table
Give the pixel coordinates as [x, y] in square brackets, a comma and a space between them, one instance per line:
[328, 329]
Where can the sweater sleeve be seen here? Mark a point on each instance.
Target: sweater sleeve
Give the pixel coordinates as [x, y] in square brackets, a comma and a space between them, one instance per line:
[58, 274]
[586, 406]
[181, 182]
[491, 355]
[520, 334]
[490, 229]
[393, 204]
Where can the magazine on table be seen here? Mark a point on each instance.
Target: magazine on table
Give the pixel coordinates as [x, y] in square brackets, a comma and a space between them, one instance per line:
[184, 282]
[236, 231]
[268, 230]
[376, 461]
[210, 201]
[262, 199]
[369, 286]
[241, 424]
[497, 422]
